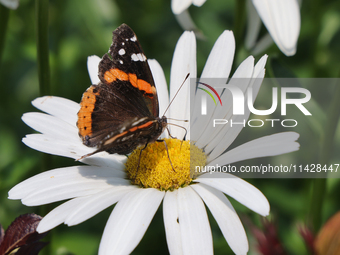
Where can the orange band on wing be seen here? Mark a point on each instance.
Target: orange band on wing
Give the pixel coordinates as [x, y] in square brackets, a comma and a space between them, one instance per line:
[87, 105]
[141, 126]
[133, 80]
[109, 77]
[114, 74]
[145, 86]
[112, 139]
[119, 74]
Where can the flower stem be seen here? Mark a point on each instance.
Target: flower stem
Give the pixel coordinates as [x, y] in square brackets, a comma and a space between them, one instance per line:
[43, 57]
[317, 10]
[4, 15]
[42, 46]
[239, 21]
[319, 185]
[42, 23]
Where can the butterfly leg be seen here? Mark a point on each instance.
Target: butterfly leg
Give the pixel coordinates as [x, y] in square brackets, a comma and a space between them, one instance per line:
[167, 151]
[186, 131]
[140, 155]
[169, 134]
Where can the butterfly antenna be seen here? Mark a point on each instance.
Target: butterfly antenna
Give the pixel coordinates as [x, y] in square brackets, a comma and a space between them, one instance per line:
[186, 77]
[177, 119]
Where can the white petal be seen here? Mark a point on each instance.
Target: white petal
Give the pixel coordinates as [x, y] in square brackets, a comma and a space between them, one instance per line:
[240, 79]
[194, 224]
[105, 159]
[231, 133]
[218, 65]
[162, 90]
[65, 183]
[51, 125]
[228, 135]
[52, 145]
[161, 85]
[178, 6]
[59, 214]
[282, 19]
[171, 224]
[198, 2]
[92, 67]
[221, 57]
[97, 203]
[73, 149]
[225, 216]
[60, 141]
[259, 67]
[253, 26]
[183, 63]
[80, 209]
[60, 107]
[271, 145]
[245, 70]
[129, 221]
[240, 190]
[213, 135]
[12, 4]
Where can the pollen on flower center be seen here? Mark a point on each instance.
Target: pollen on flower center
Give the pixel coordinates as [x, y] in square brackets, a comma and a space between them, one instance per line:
[155, 170]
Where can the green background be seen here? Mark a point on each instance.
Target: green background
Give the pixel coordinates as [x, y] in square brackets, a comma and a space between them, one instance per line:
[80, 28]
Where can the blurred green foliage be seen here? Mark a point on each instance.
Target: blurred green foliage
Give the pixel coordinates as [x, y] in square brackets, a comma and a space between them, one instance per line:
[80, 28]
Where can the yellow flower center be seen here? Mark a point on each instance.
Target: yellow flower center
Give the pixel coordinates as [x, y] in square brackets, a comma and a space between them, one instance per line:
[152, 167]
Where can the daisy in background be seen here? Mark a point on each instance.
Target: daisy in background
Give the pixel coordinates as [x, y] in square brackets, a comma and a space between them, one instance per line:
[11, 4]
[281, 18]
[104, 181]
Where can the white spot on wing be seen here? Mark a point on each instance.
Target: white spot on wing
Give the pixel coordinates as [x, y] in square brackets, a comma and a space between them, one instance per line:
[133, 39]
[138, 121]
[121, 61]
[126, 138]
[121, 52]
[138, 57]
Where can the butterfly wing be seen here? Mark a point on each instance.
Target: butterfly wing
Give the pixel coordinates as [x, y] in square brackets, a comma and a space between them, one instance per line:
[125, 95]
[126, 61]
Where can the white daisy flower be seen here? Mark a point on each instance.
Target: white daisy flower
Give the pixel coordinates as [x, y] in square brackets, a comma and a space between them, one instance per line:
[281, 18]
[104, 181]
[11, 4]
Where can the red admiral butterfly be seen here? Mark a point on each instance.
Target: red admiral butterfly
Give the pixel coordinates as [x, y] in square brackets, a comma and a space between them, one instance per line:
[120, 113]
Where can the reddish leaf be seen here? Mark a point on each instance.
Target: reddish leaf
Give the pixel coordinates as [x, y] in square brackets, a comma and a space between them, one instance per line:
[268, 241]
[328, 239]
[31, 249]
[22, 233]
[2, 234]
[308, 237]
